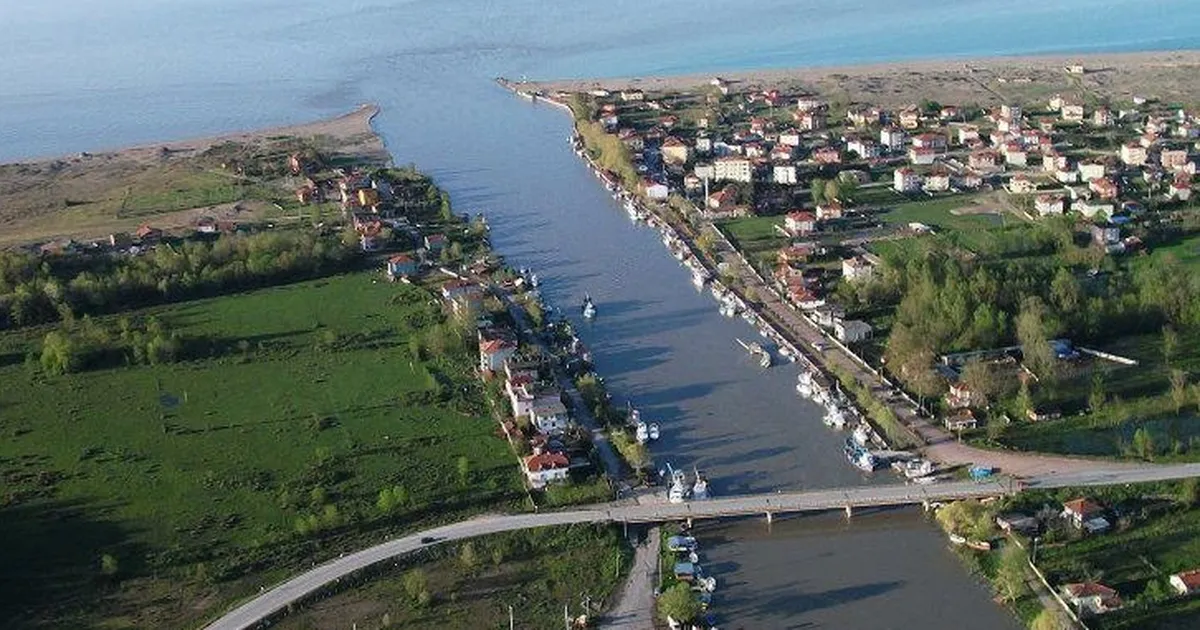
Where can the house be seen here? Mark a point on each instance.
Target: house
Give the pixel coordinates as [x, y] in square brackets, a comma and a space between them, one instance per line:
[961, 420]
[631, 139]
[691, 183]
[797, 253]
[809, 103]
[435, 242]
[863, 148]
[800, 223]
[863, 116]
[810, 120]
[1015, 155]
[1021, 184]
[401, 266]
[1091, 598]
[723, 199]
[910, 118]
[959, 396]
[545, 468]
[784, 174]
[980, 160]
[704, 145]
[1102, 117]
[1072, 113]
[937, 181]
[1067, 176]
[851, 331]
[1104, 188]
[906, 180]
[1054, 161]
[968, 181]
[548, 413]
[1010, 112]
[147, 234]
[1056, 102]
[1186, 582]
[733, 168]
[1083, 513]
[826, 316]
[1048, 203]
[1091, 170]
[1173, 159]
[781, 153]
[892, 138]
[804, 297]
[632, 95]
[1181, 189]
[949, 111]
[967, 134]
[1017, 522]
[465, 298]
[654, 190]
[494, 350]
[1133, 154]
[857, 268]
[918, 156]
[675, 151]
[829, 211]
[789, 137]
[827, 155]
[935, 141]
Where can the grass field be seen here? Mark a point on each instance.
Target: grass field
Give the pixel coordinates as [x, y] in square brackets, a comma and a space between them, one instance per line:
[758, 238]
[198, 477]
[471, 585]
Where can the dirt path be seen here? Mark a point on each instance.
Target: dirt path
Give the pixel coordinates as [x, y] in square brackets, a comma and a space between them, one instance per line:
[634, 609]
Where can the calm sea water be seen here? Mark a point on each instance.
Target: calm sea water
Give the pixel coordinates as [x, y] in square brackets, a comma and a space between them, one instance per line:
[80, 75]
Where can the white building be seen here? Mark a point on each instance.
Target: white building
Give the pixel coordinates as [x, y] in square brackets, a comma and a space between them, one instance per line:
[784, 175]
[851, 331]
[548, 414]
[906, 180]
[892, 138]
[733, 169]
[857, 268]
[545, 468]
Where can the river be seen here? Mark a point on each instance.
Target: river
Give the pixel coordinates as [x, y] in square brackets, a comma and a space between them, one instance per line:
[78, 77]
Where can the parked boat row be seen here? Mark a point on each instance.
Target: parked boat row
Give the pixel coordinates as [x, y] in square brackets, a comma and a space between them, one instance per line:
[688, 570]
[681, 490]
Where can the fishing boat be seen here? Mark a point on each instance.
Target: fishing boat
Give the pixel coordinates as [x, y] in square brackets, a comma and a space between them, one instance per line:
[642, 432]
[678, 491]
[834, 417]
[917, 468]
[865, 461]
[700, 487]
[652, 431]
[861, 435]
[756, 350]
[699, 278]
[589, 307]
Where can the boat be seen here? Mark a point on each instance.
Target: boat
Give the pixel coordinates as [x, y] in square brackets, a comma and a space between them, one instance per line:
[864, 460]
[642, 433]
[804, 384]
[652, 430]
[756, 349]
[834, 417]
[699, 278]
[682, 543]
[533, 280]
[589, 307]
[917, 468]
[861, 435]
[678, 491]
[700, 488]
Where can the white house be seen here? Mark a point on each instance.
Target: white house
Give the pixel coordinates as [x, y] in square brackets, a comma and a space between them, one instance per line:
[906, 180]
[733, 168]
[1186, 582]
[789, 137]
[548, 413]
[545, 468]
[921, 156]
[1091, 598]
[857, 268]
[494, 351]
[655, 190]
[800, 223]
[851, 331]
[1091, 170]
[1047, 204]
[892, 138]
[1092, 208]
[1084, 514]
[937, 181]
[1133, 154]
[784, 174]
[1021, 185]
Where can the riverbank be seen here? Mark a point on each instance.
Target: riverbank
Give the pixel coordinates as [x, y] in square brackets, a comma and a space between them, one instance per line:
[986, 80]
[176, 184]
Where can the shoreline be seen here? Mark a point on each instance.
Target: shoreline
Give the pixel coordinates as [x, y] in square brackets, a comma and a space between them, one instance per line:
[1120, 73]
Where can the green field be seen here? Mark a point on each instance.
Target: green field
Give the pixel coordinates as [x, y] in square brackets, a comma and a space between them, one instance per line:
[758, 238]
[207, 478]
[470, 585]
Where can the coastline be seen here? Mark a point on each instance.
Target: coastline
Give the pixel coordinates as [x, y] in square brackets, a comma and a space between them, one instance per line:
[1152, 73]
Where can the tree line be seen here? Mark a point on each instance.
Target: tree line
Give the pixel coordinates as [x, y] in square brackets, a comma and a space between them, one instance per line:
[35, 290]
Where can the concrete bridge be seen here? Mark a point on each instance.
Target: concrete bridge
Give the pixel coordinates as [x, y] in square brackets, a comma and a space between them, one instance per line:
[271, 602]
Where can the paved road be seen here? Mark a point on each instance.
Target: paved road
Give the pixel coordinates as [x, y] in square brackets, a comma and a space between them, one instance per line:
[301, 586]
[634, 609]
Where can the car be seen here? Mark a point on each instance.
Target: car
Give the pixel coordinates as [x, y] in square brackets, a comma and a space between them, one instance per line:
[425, 540]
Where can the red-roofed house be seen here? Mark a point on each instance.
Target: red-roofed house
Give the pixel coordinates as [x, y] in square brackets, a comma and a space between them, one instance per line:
[906, 180]
[1091, 598]
[935, 141]
[545, 468]
[1084, 513]
[983, 159]
[1186, 582]
[1104, 188]
[494, 350]
[675, 151]
[830, 210]
[800, 223]
[400, 265]
[827, 155]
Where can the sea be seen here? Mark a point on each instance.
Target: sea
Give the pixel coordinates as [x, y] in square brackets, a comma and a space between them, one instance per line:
[86, 75]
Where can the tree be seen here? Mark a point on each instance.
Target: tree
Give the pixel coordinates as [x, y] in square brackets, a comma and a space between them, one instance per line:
[1143, 444]
[833, 191]
[1032, 334]
[1048, 619]
[109, 565]
[679, 603]
[818, 191]
[1170, 344]
[1097, 396]
[1179, 389]
[705, 242]
[464, 470]
[1010, 575]
[847, 187]
[467, 555]
[415, 583]
[1189, 492]
[982, 380]
[968, 518]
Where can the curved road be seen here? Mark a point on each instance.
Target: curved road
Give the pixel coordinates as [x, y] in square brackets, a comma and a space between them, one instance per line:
[299, 587]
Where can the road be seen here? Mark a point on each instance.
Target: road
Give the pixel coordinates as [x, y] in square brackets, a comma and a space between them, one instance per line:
[634, 609]
[301, 586]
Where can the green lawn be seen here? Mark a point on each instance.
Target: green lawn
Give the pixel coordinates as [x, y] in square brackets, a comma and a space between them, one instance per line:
[937, 213]
[195, 475]
[471, 585]
[757, 237]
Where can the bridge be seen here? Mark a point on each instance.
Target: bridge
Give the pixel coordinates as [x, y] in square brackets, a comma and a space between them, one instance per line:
[272, 601]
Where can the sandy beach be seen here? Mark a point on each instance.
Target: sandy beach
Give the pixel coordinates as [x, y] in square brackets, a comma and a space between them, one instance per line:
[1117, 77]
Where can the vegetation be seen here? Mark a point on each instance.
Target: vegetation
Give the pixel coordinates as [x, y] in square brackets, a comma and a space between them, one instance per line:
[679, 603]
[535, 572]
[314, 417]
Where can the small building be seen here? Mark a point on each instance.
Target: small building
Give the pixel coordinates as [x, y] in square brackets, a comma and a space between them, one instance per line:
[935, 141]
[147, 234]
[1049, 204]
[548, 413]
[892, 138]
[797, 253]
[959, 396]
[1015, 154]
[465, 298]
[857, 268]
[723, 199]
[655, 190]
[630, 96]
[1105, 234]
[675, 151]
[910, 118]
[827, 155]
[830, 210]
[1102, 117]
[851, 330]
[919, 156]
[800, 223]
[1017, 522]
[961, 420]
[1093, 209]
[967, 134]
[495, 350]
[1072, 113]
[1186, 582]
[1133, 154]
[784, 174]
[1091, 598]
[937, 181]
[828, 315]
[982, 160]
[1092, 170]
[1104, 187]
[906, 180]
[401, 266]
[435, 242]
[1083, 513]
[543, 469]
[1021, 184]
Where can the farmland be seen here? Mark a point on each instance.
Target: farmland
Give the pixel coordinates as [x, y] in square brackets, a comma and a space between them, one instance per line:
[161, 493]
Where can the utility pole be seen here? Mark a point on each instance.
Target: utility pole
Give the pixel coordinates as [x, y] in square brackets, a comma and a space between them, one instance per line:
[510, 617]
